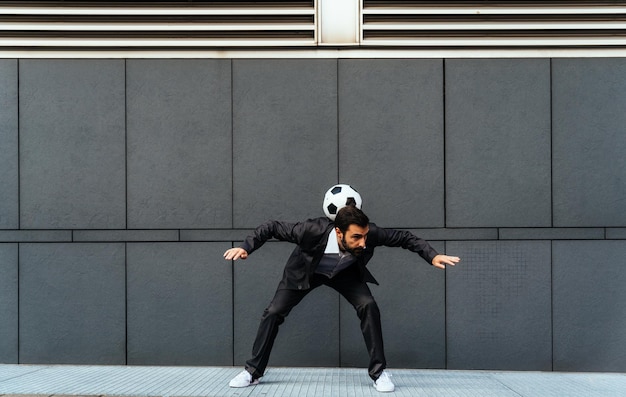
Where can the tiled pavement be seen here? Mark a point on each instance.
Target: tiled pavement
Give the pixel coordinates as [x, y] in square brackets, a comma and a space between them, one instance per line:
[48, 380]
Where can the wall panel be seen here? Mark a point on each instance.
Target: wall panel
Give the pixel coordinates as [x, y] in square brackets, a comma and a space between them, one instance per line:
[498, 143]
[72, 144]
[285, 138]
[589, 128]
[72, 303]
[179, 304]
[9, 205]
[498, 304]
[391, 138]
[179, 140]
[8, 304]
[589, 305]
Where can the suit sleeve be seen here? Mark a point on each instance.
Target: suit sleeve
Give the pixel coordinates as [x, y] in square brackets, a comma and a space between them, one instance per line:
[283, 231]
[406, 240]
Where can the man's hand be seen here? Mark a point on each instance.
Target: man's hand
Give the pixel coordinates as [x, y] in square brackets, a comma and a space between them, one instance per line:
[235, 253]
[441, 261]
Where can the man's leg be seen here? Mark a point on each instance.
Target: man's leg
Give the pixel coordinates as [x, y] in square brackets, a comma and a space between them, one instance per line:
[360, 297]
[273, 316]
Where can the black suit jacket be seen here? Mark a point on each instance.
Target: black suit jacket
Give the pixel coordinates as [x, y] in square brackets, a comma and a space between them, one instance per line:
[311, 236]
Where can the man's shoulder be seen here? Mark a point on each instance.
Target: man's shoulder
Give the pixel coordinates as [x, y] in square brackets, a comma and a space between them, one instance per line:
[321, 223]
[313, 227]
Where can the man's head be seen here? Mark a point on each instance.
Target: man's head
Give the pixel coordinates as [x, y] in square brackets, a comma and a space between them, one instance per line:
[351, 226]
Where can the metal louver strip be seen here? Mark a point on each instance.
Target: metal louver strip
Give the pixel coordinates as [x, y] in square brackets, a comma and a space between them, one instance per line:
[370, 24]
[493, 23]
[197, 24]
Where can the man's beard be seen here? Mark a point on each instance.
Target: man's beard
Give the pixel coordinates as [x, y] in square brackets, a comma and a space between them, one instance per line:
[354, 251]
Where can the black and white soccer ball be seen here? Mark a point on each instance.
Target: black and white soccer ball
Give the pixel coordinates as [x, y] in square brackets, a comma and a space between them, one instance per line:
[338, 197]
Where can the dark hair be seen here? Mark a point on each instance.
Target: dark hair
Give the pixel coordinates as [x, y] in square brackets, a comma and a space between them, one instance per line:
[350, 215]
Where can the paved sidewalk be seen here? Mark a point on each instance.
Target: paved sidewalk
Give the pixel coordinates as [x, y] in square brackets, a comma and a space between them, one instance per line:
[48, 380]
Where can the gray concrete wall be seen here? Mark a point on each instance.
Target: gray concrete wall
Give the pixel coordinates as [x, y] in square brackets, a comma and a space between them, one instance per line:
[123, 181]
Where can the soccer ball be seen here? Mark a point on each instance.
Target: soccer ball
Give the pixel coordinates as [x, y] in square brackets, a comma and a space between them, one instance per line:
[338, 197]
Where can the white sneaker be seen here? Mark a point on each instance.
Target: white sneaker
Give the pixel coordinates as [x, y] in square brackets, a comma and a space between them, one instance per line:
[383, 383]
[244, 379]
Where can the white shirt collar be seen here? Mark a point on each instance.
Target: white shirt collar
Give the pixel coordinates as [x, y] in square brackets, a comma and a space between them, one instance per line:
[331, 246]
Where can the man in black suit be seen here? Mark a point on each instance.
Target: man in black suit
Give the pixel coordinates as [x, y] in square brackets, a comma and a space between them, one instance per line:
[336, 255]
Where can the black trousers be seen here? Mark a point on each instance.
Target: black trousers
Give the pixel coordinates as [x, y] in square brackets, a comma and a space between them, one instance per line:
[347, 283]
